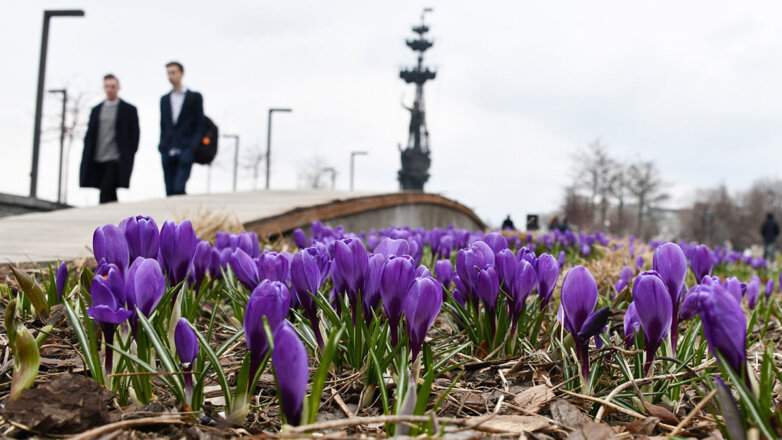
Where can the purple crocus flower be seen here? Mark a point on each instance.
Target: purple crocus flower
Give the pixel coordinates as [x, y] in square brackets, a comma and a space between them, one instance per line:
[141, 233]
[444, 272]
[547, 270]
[523, 282]
[733, 286]
[300, 238]
[144, 287]
[632, 324]
[187, 350]
[671, 264]
[306, 280]
[653, 307]
[107, 311]
[769, 287]
[579, 298]
[700, 262]
[177, 246]
[753, 292]
[349, 271]
[199, 264]
[422, 304]
[245, 269]
[488, 289]
[625, 279]
[639, 264]
[724, 326]
[110, 247]
[505, 263]
[389, 246]
[562, 259]
[272, 300]
[61, 278]
[496, 242]
[292, 370]
[398, 274]
[370, 294]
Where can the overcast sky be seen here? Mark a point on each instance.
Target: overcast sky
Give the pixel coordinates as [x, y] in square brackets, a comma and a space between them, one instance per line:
[696, 86]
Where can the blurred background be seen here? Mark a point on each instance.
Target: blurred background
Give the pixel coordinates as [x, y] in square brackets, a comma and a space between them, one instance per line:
[658, 119]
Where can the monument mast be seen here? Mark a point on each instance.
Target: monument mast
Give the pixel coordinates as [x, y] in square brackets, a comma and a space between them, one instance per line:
[415, 155]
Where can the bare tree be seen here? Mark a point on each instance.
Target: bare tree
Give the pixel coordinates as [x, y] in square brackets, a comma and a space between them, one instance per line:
[576, 209]
[593, 170]
[313, 174]
[252, 160]
[618, 189]
[645, 185]
[76, 114]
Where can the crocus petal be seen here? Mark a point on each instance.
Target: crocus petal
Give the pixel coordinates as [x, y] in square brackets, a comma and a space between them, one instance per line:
[725, 326]
[61, 278]
[148, 284]
[186, 342]
[292, 370]
[579, 296]
[547, 274]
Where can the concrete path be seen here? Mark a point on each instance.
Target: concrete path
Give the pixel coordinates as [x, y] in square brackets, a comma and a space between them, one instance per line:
[67, 233]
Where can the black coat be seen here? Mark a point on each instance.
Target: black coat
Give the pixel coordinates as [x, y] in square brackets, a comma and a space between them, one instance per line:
[189, 128]
[127, 135]
[769, 230]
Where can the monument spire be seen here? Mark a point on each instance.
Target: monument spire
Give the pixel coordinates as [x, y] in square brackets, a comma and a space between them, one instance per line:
[415, 155]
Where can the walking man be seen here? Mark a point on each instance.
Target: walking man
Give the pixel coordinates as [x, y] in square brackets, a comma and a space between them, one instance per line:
[182, 125]
[110, 144]
[769, 230]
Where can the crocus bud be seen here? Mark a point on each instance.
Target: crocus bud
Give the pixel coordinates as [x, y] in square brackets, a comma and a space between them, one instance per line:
[61, 278]
[187, 349]
[725, 327]
[639, 264]
[370, 294]
[523, 282]
[177, 246]
[671, 264]
[389, 246]
[547, 275]
[300, 238]
[272, 300]
[488, 288]
[506, 263]
[398, 274]
[422, 304]
[579, 297]
[200, 263]
[632, 324]
[306, 278]
[108, 311]
[110, 247]
[245, 269]
[733, 286]
[444, 272]
[496, 242]
[700, 262]
[653, 306]
[562, 259]
[769, 287]
[753, 292]
[350, 268]
[291, 366]
[141, 233]
[144, 287]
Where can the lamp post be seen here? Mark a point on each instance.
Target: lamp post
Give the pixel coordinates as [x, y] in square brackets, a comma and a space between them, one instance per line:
[353, 155]
[269, 140]
[62, 142]
[236, 155]
[39, 94]
[333, 175]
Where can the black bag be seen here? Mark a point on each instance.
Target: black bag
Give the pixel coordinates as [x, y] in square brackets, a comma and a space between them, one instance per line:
[206, 150]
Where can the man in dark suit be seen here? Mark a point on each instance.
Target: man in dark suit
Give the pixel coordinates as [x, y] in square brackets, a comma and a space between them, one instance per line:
[182, 125]
[110, 144]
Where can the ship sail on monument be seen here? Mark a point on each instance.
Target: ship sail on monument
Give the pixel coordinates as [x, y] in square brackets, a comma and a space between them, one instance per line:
[416, 154]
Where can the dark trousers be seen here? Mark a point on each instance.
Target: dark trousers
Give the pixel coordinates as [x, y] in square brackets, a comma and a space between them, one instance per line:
[176, 171]
[108, 173]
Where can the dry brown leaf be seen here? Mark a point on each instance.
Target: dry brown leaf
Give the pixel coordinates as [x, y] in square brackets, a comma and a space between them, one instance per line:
[516, 424]
[593, 431]
[661, 413]
[644, 426]
[568, 414]
[535, 398]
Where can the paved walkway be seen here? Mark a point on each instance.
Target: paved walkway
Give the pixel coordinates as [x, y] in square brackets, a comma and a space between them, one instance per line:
[67, 233]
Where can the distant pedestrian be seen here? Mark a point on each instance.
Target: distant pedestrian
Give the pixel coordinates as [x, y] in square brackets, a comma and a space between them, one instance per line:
[182, 125]
[507, 224]
[553, 224]
[110, 144]
[769, 231]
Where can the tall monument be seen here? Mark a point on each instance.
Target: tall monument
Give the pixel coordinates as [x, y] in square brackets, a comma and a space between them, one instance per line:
[415, 155]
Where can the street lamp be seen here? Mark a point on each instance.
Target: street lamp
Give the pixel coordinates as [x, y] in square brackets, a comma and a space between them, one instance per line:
[333, 175]
[60, 198]
[353, 155]
[236, 155]
[39, 95]
[269, 140]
